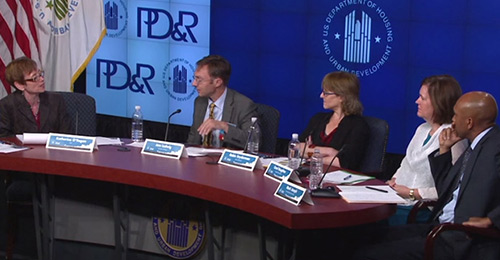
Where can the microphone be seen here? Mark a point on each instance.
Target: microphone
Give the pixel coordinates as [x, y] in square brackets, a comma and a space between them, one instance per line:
[168, 121]
[76, 123]
[77, 116]
[328, 192]
[304, 171]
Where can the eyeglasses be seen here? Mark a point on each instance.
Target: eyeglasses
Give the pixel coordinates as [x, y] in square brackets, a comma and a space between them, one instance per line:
[37, 77]
[328, 93]
[197, 79]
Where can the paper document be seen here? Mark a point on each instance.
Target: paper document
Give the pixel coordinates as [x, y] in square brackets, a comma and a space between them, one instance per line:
[108, 141]
[279, 160]
[200, 151]
[10, 148]
[370, 194]
[33, 138]
[136, 144]
[343, 177]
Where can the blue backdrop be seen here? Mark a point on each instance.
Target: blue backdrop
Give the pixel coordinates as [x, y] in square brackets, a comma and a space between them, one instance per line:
[277, 49]
[280, 51]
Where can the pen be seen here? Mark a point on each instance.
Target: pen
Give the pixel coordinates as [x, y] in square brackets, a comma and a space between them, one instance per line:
[372, 188]
[347, 177]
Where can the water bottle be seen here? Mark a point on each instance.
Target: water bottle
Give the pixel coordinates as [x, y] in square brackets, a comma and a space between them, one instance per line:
[316, 170]
[294, 152]
[253, 137]
[137, 125]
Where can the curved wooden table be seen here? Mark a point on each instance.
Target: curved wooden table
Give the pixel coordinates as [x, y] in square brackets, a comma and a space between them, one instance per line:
[240, 189]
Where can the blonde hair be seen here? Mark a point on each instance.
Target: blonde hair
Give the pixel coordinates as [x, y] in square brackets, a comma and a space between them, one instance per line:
[346, 85]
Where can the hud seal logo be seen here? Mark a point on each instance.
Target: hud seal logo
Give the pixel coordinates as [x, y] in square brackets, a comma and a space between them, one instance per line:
[55, 14]
[116, 16]
[177, 79]
[181, 233]
[357, 37]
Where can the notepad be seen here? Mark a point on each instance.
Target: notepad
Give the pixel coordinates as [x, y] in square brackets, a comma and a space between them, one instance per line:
[361, 194]
[344, 177]
[10, 148]
[200, 151]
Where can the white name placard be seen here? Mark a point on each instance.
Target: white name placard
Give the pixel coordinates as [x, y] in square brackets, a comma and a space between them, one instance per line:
[293, 193]
[240, 160]
[71, 142]
[278, 172]
[164, 149]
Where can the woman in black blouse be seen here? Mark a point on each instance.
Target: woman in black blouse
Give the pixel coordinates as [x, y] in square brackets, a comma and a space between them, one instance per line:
[344, 127]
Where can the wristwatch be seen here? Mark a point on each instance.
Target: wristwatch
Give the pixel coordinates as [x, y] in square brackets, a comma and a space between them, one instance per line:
[411, 195]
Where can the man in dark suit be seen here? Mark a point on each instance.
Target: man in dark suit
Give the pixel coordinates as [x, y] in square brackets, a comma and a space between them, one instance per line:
[468, 190]
[232, 111]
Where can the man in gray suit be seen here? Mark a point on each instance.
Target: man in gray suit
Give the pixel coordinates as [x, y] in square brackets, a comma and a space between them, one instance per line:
[232, 111]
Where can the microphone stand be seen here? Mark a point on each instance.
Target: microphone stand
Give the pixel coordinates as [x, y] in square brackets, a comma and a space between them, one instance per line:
[303, 171]
[168, 122]
[76, 123]
[328, 192]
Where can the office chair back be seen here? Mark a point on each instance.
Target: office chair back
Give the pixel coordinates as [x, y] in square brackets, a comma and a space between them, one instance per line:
[373, 162]
[269, 124]
[82, 111]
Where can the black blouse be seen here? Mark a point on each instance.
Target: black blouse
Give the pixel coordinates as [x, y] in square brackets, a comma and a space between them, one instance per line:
[352, 134]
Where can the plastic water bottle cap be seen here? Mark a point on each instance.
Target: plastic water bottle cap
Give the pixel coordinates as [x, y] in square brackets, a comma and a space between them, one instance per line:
[137, 107]
[254, 119]
[295, 136]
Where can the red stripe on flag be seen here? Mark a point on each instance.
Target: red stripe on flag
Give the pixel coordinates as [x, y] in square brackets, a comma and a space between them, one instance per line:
[6, 84]
[21, 38]
[13, 5]
[29, 12]
[6, 35]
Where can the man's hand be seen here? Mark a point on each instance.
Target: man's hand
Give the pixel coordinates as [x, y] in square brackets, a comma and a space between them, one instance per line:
[210, 125]
[447, 139]
[478, 222]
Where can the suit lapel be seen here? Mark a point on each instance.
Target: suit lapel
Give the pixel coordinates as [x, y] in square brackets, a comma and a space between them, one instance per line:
[44, 111]
[449, 185]
[228, 106]
[202, 110]
[24, 109]
[472, 162]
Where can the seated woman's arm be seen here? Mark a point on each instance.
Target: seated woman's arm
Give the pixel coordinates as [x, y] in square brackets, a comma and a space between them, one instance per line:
[327, 152]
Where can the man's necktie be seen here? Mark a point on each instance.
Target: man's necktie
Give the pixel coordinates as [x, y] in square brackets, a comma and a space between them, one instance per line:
[207, 141]
[464, 163]
[458, 180]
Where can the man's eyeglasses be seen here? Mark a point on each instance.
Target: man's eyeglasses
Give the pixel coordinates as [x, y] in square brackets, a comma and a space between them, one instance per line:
[198, 79]
[325, 93]
[37, 77]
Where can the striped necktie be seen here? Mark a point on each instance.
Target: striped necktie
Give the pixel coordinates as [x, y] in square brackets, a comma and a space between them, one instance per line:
[207, 141]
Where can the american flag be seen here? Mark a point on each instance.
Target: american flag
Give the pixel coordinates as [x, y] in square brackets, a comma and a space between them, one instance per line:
[18, 35]
[60, 35]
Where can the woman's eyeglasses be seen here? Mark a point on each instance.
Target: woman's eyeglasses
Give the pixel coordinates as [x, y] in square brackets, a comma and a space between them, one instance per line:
[325, 93]
[37, 77]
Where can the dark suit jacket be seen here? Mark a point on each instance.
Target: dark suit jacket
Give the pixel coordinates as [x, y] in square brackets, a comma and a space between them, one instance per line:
[16, 116]
[479, 194]
[238, 110]
[352, 132]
